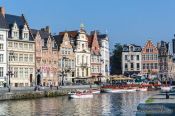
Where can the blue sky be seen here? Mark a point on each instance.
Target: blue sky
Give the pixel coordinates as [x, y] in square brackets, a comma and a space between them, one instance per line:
[125, 21]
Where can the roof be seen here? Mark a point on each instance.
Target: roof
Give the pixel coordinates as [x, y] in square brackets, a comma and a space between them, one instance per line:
[102, 36]
[3, 22]
[72, 34]
[58, 39]
[11, 19]
[43, 34]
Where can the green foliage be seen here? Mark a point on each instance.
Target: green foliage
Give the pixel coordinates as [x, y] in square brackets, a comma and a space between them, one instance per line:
[116, 59]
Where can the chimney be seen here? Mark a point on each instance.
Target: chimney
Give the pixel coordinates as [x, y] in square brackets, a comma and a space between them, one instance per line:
[48, 29]
[2, 11]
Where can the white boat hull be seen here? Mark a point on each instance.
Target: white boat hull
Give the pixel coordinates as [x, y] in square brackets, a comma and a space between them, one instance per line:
[114, 90]
[165, 89]
[130, 90]
[80, 95]
[98, 91]
[142, 89]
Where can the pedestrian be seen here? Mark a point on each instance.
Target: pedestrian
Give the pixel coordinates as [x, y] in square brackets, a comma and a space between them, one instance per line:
[167, 95]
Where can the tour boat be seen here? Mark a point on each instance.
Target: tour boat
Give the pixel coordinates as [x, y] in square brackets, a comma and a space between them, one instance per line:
[80, 95]
[142, 89]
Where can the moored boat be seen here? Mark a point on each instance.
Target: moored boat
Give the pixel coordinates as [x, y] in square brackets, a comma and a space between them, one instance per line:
[114, 90]
[95, 90]
[142, 89]
[80, 95]
[130, 89]
[165, 89]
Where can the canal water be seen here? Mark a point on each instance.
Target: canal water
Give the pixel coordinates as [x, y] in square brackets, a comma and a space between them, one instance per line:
[105, 104]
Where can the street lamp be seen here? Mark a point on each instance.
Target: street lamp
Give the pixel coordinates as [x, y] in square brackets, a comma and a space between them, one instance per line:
[9, 73]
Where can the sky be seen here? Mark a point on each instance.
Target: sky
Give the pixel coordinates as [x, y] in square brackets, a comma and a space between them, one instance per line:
[125, 21]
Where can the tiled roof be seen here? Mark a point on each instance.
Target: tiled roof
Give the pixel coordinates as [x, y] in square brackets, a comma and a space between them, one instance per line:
[58, 39]
[72, 34]
[90, 40]
[11, 19]
[102, 36]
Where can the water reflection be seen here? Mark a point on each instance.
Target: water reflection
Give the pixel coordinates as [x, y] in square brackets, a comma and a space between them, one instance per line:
[101, 105]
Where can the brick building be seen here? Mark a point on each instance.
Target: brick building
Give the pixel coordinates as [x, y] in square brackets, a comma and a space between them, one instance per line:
[150, 59]
[46, 57]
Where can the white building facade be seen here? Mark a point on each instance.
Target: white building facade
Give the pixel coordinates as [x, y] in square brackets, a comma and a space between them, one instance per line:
[82, 55]
[21, 52]
[104, 50]
[3, 49]
[131, 59]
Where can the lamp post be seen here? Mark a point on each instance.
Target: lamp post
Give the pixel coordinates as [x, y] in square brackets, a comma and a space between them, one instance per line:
[9, 73]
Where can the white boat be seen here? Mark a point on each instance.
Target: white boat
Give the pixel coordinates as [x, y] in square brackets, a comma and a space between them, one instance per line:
[80, 95]
[95, 90]
[130, 90]
[165, 89]
[142, 89]
[110, 90]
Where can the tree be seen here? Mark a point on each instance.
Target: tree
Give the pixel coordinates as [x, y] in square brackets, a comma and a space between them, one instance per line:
[116, 59]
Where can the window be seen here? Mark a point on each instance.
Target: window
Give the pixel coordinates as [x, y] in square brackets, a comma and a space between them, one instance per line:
[15, 34]
[25, 46]
[21, 72]
[15, 72]
[25, 35]
[26, 72]
[1, 72]
[31, 58]
[1, 46]
[144, 66]
[16, 45]
[148, 66]
[126, 57]
[25, 57]
[138, 58]
[15, 57]
[10, 44]
[82, 46]
[138, 66]
[151, 65]
[132, 66]
[82, 72]
[31, 46]
[21, 57]
[20, 45]
[126, 66]
[31, 70]
[132, 57]
[1, 58]
[155, 65]
[1, 37]
[147, 50]
[77, 72]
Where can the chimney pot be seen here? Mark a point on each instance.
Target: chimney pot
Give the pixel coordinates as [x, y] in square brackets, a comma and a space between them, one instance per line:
[2, 11]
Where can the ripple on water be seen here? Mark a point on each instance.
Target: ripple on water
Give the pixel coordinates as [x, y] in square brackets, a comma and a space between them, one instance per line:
[101, 105]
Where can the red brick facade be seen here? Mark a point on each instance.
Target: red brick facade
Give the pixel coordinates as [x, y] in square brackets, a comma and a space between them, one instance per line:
[150, 59]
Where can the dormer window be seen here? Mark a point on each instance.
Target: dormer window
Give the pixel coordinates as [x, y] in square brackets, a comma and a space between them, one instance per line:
[15, 31]
[25, 33]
